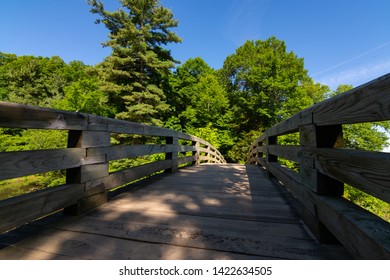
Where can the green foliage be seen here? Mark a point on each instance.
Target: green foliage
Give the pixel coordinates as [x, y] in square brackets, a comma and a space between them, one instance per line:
[207, 133]
[32, 80]
[368, 202]
[133, 74]
[239, 151]
[34, 139]
[266, 84]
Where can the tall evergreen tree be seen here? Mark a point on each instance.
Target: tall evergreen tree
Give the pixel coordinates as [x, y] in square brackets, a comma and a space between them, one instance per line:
[134, 72]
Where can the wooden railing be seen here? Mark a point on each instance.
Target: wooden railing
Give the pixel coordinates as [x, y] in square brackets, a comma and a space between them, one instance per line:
[86, 160]
[324, 167]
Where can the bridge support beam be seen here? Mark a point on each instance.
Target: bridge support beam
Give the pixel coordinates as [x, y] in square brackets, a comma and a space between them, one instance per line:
[88, 174]
[273, 140]
[174, 141]
[313, 136]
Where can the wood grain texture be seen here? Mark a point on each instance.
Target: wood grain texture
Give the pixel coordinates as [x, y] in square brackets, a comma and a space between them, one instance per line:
[365, 235]
[369, 102]
[18, 164]
[23, 116]
[368, 171]
[286, 152]
[19, 210]
[123, 177]
[225, 211]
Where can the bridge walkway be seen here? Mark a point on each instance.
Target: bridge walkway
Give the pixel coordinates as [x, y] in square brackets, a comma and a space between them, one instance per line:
[218, 211]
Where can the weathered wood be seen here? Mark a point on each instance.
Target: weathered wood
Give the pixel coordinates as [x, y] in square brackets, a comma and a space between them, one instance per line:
[286, 152]
[88, 139]
[365, 235]
[319, 136]
[19, 210]
[261, 161]
[88, 172]
[123, 177]
[88, 202]
[291, 125]
[307, 208]
[23, 163]
[24, 116]
[195, 153]
[369, 102]
[174, 141]
[240, 214]
[183, 160]
[368, 171]
[133, 151]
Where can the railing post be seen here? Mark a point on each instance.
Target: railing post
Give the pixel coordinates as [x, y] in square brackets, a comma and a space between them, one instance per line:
[174, 141]
[196, 152]
[319, 137]
[208, 155]
[96, 193]
[271, 140]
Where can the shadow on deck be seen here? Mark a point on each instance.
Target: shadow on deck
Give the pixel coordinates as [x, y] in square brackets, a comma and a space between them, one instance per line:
[226, 211]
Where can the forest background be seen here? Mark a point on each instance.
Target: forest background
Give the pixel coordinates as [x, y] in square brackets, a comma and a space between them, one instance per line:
[258, 86]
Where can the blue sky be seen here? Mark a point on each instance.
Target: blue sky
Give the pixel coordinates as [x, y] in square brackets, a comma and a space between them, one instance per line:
[341, 41]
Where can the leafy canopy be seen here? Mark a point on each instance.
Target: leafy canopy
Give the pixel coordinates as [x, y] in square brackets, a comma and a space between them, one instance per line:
[134, 72]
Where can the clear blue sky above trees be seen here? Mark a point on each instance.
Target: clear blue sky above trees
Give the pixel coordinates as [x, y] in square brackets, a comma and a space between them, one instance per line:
[345, 41]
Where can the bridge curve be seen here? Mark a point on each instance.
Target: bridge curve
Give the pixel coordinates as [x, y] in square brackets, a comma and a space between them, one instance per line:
[86, 160]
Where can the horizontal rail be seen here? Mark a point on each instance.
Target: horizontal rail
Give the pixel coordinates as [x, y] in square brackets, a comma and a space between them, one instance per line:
[325, 166]
[86, 160]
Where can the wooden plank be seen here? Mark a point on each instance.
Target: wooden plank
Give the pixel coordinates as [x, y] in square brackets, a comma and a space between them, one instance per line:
[286, 152]
[88, 139]
[24, 116]
[243, 237]
[80, 245]
[291, 125]
[365, 235]
[23, 163]
[260, 149]
[362, 233]
[261, 161]
[183, 149]
[120, 178]
[293, 181]
[133, 151]
[19, 210]
[369, 102]
[182, 160]
[368, 171]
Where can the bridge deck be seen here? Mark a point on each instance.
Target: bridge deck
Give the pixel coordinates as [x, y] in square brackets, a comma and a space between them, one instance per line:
[202, 212]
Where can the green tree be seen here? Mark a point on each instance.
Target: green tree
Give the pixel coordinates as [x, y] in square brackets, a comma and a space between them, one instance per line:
[267, 84]
[134, 72]
[199, 103]
[32, 80]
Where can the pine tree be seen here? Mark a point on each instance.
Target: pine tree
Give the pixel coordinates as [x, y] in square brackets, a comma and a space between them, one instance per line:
[134, 72]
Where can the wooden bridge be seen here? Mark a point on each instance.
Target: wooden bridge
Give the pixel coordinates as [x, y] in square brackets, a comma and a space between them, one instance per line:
[200, 207]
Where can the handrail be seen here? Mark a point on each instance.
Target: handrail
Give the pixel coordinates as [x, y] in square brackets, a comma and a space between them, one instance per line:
[324, 167]
[85, 160]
